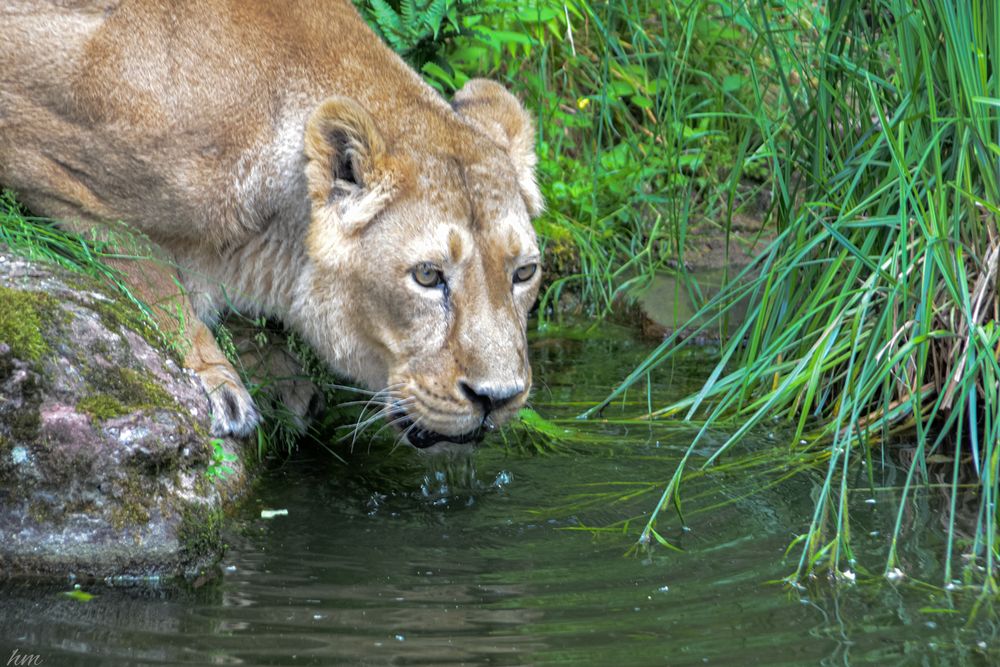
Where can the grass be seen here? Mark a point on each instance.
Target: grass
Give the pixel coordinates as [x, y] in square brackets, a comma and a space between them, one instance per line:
[41, 239]
[873, 311]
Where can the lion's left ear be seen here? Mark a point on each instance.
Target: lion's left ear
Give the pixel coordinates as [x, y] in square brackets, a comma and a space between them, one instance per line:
[348, 174]
[497, 113]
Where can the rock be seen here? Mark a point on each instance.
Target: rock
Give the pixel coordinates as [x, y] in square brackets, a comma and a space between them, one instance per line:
[105, 456]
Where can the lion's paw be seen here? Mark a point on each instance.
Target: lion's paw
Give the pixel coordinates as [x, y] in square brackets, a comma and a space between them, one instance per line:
[233, 410]
[302, 401]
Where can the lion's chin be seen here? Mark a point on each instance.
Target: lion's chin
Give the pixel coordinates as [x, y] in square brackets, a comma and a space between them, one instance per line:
[422, 438]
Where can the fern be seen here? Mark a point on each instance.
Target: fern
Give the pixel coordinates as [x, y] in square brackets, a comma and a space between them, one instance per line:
[388, 22]
[408, 13]
[435, 15]
[417, 30]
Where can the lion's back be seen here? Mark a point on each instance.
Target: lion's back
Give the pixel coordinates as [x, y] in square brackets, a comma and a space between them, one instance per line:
[141, 110]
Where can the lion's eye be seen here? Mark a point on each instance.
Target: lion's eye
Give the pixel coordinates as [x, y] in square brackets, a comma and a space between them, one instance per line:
[427, 275]
[524, 273]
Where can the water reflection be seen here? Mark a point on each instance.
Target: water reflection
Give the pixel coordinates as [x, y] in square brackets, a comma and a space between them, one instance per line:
[488, 561]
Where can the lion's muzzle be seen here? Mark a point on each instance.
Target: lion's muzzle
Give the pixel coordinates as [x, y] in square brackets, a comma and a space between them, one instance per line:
[492, 403]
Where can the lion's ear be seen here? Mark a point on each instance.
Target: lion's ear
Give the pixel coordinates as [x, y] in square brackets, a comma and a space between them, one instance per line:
[491, 108]
[347, 172]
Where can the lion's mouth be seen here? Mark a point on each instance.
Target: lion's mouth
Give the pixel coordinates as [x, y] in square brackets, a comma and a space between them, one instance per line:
[422, 438]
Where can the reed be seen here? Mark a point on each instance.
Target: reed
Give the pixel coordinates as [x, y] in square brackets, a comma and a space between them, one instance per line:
[874, 310]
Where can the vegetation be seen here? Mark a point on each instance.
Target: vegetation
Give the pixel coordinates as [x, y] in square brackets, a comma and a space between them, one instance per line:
[873, 310]
[640, 131]
[873, 129]
[864, 139]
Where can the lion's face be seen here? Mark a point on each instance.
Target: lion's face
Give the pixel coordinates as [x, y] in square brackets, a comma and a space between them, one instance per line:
[425, 270]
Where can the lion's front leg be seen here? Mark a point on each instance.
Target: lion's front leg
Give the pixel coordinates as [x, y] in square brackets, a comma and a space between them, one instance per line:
[233, 410]
[157, 284]
[276, 374]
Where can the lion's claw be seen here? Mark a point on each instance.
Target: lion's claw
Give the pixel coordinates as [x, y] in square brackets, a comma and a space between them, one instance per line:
[233, 410]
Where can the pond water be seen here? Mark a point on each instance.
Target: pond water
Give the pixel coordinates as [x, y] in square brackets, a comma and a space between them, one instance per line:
[520, 558]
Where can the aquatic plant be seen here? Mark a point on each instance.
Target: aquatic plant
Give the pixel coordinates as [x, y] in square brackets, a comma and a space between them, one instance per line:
[873, 312]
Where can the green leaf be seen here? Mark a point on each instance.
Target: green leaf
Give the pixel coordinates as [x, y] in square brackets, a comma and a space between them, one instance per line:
[641, 101]
[536, 15]
[435, 71]
[732, 83]
[536, 422]
[79, 595]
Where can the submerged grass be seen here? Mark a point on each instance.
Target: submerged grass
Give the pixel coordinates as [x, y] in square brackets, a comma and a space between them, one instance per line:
[873, 312]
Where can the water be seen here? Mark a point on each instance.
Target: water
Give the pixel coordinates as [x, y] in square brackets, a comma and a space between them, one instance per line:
[393, 560]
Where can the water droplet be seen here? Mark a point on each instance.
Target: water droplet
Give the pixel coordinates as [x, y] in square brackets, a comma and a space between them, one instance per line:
[503, 478]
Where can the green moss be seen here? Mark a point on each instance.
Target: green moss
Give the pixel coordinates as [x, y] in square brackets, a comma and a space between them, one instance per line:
[22, 314]
[132, 509]
[120, 391]
[102, 406]
[200, 532]
[119, 313]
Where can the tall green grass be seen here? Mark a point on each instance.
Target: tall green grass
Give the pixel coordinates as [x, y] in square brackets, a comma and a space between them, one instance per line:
[874, 310]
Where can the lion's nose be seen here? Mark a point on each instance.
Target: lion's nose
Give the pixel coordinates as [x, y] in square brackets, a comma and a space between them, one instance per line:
[491, 397]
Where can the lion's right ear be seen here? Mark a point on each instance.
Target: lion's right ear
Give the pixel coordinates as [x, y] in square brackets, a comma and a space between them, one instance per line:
[347, 174]
[491, 108]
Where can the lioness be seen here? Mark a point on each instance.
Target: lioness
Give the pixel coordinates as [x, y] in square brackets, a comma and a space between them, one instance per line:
[294, 166]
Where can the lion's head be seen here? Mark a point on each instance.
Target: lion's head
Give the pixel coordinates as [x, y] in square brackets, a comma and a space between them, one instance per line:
[425, 262]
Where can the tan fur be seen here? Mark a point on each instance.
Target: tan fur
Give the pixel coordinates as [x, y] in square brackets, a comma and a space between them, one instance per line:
[291, 165]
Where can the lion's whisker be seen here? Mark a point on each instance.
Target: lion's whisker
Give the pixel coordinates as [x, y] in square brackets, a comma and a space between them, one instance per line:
[386, 409]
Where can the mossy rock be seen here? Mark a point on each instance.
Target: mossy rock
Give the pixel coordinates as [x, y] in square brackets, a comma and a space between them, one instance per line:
[130, 497]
